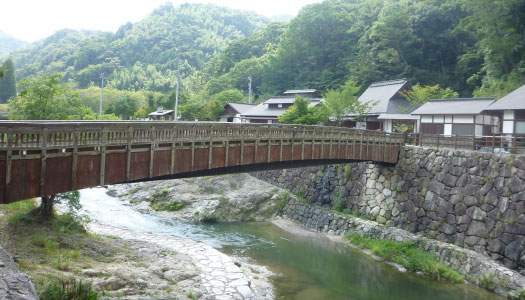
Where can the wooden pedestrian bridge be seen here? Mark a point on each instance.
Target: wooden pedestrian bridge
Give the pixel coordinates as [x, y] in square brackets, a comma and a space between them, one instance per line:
[40, 158]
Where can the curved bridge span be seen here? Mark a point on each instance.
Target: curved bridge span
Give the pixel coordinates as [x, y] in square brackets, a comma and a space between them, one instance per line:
[40, 158]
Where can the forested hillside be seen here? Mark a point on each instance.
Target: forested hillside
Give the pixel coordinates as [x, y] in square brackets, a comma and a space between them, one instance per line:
[142, 55]
[473, 47]
[470, 45]
[9, 44]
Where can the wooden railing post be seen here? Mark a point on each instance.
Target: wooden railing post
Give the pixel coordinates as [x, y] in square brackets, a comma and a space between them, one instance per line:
[193, 138]
[9, 154]
[43, 164]
[74, 161]
[227, 146]
[128, 152]
[210, 149]
[103, 143]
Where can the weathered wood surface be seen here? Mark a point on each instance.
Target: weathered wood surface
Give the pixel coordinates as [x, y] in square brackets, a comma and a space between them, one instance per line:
[48, 157]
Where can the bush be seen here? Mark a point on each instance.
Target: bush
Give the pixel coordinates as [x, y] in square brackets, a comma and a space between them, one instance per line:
[339, 204]
[68, 290]
[348, 172]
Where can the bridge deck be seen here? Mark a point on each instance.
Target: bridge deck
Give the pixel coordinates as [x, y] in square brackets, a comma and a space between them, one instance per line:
[44, 158]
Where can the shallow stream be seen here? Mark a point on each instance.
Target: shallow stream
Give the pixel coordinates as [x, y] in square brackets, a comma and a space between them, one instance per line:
[310, 267]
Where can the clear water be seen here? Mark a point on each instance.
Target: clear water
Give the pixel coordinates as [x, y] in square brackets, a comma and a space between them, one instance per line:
[310, 268]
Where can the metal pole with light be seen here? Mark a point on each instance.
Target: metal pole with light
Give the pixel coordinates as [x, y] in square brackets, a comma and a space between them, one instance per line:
[175, 117]
[102, 77]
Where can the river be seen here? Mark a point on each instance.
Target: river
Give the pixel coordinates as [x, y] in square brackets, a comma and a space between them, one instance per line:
[311, 267]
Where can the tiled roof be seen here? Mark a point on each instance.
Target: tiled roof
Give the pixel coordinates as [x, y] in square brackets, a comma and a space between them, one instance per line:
[382, 92]
[461, 106]
[514, 100]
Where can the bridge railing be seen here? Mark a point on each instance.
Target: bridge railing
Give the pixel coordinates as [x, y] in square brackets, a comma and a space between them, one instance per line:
[36, 135]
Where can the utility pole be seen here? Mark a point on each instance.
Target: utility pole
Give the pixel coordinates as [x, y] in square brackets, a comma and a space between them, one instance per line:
[177, 93]
[250, 89]
[102, 77]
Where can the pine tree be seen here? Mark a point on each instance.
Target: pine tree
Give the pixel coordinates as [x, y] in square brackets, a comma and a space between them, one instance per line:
[8, 81]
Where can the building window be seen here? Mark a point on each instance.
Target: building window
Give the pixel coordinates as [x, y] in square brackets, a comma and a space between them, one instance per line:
[280, 105]
[520, 127]
[463, 129]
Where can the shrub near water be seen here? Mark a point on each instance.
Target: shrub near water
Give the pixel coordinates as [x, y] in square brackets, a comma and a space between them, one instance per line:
[408, 255]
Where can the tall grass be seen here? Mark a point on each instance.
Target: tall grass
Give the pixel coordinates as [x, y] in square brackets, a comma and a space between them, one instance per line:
[408, 255]
[68, 290]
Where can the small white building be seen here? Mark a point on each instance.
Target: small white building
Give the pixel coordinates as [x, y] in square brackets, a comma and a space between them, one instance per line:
[461, 117]
[511, 110]
[234, 110]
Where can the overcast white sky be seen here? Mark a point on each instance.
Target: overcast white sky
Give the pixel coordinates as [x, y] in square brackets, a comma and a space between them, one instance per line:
[31, 20]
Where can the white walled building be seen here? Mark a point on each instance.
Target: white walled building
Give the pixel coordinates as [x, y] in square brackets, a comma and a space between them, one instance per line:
[511, 110]
[462, 117]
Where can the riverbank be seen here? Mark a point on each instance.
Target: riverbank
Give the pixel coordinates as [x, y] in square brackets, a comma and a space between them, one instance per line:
[226, 198]
[121, 264]
[475, 268]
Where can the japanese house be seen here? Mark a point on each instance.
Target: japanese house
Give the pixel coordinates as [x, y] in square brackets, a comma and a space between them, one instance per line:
[391, 107]
[234, 110]
[461, 117]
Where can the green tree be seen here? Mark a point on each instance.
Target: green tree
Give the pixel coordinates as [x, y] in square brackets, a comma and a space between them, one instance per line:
[301, 113]
[343, 102]
[8, 81]
[45, 98]
[124, 107]
[216, 105]
[420, 94]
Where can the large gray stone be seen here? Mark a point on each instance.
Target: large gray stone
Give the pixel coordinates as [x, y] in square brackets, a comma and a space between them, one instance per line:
[436, 187]
[460, 209]
[513, 251]
[476, 213]
[516, 185]
[477, 229]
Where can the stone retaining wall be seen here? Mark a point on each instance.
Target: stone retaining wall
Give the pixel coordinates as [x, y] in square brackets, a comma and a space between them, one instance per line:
[475, 268]
[470, 199]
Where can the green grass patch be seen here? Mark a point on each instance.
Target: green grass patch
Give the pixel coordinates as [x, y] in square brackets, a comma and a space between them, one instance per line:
[339, 204]
[282, 200]
[192, 296]
[408, 255]
[487, 281]
[66, 290]
[520, 296]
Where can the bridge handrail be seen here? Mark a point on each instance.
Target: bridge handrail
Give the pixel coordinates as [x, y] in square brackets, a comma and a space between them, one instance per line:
[28, 135]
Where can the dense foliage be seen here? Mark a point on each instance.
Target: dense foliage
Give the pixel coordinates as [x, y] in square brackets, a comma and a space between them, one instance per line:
[143, 55]
[301, 113]
[473, 47]
[7, 81]
[45, 98]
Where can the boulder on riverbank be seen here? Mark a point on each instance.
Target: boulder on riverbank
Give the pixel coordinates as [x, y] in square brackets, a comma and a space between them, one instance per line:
[227, 198]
